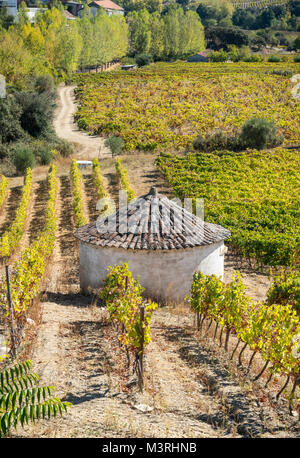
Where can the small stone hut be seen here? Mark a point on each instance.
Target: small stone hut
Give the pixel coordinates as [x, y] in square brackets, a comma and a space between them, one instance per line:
[163, 243]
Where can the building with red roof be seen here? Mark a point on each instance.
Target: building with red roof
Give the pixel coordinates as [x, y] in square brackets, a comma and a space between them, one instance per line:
[109, 6]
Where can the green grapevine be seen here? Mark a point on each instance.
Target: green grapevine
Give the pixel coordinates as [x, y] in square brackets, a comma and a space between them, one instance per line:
[123, 178]
[100, 186]
[255, 194]
[13, 234]
[76, 176]
[4, 186]
[165, 106]
[123, 297]
[28, 272]
[268, 329]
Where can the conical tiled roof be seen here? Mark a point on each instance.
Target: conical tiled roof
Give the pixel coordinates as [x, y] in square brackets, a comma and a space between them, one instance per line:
[153, 223]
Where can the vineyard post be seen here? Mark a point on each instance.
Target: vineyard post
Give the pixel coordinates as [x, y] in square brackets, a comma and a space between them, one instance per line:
[11, 313]
[198, 320]
[141, 350]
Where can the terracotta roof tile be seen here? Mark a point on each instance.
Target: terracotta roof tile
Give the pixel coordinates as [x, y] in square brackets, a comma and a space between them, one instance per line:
[153, 223]
[108, 4]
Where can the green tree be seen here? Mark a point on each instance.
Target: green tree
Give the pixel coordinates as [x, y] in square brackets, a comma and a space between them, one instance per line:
[214, 12]
[184, 33]
[222, 37]
[22, 14]
[85, 28]
[6, 20]
[140, 32]
[67, 48]
[296, 43]
[157, 28]
[37, 111]
[10, 127]
[137, 5]
[17, 63]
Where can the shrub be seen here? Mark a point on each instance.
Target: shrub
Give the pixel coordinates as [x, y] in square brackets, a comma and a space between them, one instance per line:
[7, 167]
[143, 59]
[44, 155]
[128, 60]
[256, 133]
[218, 56]
[37, 111]
[259, 133]
[116, 144]
[252, 58]
[296, 43]
[64, 147]
[23, 159]
[44, 83]
[4, 150]
[287, 73]
[297, 58]
[10, 127]
[274, 59]
[217, 141]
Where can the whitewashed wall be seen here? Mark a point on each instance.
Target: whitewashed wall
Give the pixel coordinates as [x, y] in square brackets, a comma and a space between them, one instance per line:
[166, 275]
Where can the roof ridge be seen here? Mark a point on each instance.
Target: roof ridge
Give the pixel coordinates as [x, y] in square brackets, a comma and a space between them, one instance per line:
[151, 222]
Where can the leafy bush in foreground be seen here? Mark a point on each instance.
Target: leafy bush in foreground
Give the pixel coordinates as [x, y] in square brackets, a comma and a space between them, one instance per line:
[21, 400]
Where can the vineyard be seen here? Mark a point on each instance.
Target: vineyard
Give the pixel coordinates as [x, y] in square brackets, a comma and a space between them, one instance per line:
[165, 107]
[256, 3]
[225, 362]
[255, 194]
[168, 370]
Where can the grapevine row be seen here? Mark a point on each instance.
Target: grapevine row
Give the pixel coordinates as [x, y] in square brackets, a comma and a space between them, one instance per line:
[13, 234]
[4, 186]
[257, 3]
[28, 272]
[123, 297]
[76, 177]
[124, 181]
[270, 330]
[100, 186]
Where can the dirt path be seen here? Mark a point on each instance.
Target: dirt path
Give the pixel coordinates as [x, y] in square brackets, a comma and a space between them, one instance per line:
[87, 146]
[188, 390]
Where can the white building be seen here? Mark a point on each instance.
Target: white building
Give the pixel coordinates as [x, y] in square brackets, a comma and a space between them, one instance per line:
[11, 7]
[163, 244]
[109, 6]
